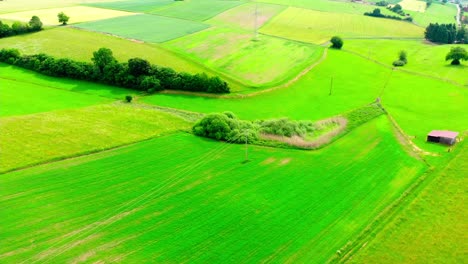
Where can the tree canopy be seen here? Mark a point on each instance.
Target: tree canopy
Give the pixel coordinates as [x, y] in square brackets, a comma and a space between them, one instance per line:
[456, 54]
[337, 42]
[62, 18]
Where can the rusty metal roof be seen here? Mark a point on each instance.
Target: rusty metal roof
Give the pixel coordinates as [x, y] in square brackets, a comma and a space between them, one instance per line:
[443, 133]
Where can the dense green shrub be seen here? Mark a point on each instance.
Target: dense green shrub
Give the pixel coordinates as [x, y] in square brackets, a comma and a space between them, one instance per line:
[128, 98]
[18, 28]
[286, 127]
[137, 74]
[226, 127]
[337, 42]
[445, 33]
[398, 63]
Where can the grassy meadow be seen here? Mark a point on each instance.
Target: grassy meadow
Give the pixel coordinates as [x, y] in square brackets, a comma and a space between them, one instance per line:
[197, 10]
[307, 99]
[78, 131]
[238, 54]
[429, 228]
[88, 178]
[280, 206]
[77, 14]
[435, 13]
[423, 58]
[20, 98]
[318, 27]
[131, 27]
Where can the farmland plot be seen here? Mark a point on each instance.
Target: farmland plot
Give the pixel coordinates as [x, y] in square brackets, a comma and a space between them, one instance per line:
[256, 62]
[318, 27]
[77, 14]
[156, 29]
[182, 198]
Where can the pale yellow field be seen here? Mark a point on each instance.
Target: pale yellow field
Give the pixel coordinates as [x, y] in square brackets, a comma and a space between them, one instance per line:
[76, 13]
[10, 6]
[413, 5]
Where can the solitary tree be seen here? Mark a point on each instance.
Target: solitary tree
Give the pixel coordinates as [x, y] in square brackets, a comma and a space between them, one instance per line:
[35, 23]
[337, 42]
[62, 18]
[456, 54]
[103, 57]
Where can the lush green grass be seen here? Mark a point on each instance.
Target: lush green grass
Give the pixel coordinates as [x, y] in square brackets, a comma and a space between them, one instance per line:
[318, 27]
[435, 13]
[185, 199]
[262, 62]
[420, 105]
[77, 14]
[133, 27]
[197, 10]
[243, 16]
[140, 6]
[422, 58]
[11, 73]
[431, 229]
[307, 99]
[330, 6]
[20, 97]
[26, 140]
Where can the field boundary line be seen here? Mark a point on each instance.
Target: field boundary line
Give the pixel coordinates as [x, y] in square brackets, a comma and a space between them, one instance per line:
[407, 71]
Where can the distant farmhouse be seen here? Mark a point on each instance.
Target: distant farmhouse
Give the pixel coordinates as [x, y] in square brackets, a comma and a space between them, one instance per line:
[442, 136]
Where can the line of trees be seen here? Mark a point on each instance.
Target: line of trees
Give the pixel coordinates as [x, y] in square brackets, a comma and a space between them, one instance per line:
[18, 28]
[137, 73]
[446, 33]
[377, 13]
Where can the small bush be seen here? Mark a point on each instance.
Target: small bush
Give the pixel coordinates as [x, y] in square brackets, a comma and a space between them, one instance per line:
[398, 63]
[337, 42]
[128, 98]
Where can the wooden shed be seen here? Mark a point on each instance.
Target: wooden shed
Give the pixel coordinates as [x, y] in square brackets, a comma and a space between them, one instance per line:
[442, 136]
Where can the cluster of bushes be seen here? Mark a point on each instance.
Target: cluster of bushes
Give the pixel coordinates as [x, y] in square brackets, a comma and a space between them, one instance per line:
[446, 33]
[377, 13]
[428, 3]
[382, 3]
[18, 28]
[228, 128]
[137, 73]
[402, 59]
[397, 9]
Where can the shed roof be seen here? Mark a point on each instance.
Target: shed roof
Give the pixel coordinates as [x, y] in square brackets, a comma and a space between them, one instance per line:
[443, 133]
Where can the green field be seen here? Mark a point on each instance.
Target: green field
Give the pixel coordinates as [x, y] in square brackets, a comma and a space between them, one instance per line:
[281, 206]
[140, 6]
[423, 58]
[429, 230]
[307, 99]
[21, 97]
[32, 78]
[318, 27]
[243, 16]
[421, 105]
[197, 10]
[330, 6]
[236, 53]
[78, 131]
[57, 42]
[131, 27]
[435, 13]
[77, 14]
[413, 5]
